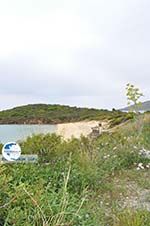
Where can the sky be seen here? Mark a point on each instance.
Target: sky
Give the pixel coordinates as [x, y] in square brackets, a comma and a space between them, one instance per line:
[77, 53]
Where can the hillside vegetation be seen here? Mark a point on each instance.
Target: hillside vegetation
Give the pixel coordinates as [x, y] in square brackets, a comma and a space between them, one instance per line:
[80, 182]
[52, 114]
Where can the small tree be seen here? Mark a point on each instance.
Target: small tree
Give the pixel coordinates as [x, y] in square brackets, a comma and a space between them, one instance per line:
[133, 95]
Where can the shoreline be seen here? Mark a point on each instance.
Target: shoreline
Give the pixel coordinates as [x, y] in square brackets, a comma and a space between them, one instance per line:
[65, 130]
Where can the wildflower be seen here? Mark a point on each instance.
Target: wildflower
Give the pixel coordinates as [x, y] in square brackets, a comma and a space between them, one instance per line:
[145, 153]
[106, 156]
[114, 156]
[140, 166]
[148, 166]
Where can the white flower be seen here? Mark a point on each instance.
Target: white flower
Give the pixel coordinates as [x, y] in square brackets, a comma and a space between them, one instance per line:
[145, 153]
[106, 156]
[140, 166]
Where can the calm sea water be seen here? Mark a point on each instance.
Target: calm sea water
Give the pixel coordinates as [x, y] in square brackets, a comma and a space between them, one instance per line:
[20, 132]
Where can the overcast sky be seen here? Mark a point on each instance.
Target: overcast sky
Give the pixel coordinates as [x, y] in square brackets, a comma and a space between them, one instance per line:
[74, 52]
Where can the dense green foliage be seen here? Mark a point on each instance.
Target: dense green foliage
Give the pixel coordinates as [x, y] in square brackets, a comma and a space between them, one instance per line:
[77, 182]
[52, 114]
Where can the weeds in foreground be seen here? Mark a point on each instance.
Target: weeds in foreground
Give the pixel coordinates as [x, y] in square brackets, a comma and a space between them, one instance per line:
[84, 190]
[132, 217]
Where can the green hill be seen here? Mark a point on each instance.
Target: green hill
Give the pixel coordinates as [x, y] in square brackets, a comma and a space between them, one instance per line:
[53, 114]
[145, 106]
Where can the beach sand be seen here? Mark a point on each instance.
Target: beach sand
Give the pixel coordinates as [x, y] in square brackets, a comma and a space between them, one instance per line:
[76, 129]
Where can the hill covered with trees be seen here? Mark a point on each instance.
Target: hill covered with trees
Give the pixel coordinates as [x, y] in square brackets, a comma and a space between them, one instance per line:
[53, 114]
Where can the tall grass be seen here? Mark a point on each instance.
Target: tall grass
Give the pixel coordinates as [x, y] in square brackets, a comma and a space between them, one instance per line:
[79, 182]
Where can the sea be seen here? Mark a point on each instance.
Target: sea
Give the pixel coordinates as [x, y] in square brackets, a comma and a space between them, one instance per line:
[15, 133]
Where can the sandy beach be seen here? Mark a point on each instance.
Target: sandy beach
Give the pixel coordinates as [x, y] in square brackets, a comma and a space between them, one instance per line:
[76, 129]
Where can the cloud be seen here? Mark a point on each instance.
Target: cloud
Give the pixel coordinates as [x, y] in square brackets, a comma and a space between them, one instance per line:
[73, 52]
